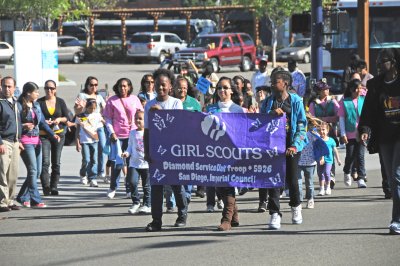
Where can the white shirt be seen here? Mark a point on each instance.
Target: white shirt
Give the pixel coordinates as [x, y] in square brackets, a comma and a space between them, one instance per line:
[230, 107]
[260, 79]
[93, 122]
[170, 104]
[136, 150]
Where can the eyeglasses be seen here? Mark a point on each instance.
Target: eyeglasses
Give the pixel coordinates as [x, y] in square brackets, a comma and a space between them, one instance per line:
[93, 84]
[49, 88]
[182, 89]
[224, 88]
[149, 81]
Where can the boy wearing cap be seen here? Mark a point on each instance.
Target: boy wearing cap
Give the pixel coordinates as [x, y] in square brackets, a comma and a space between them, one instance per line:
[299, 80]
[260, 77]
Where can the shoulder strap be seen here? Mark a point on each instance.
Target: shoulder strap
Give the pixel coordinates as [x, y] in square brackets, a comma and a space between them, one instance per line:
[126, 112]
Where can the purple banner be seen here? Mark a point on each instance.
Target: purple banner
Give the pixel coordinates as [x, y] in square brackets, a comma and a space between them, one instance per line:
[221, 150]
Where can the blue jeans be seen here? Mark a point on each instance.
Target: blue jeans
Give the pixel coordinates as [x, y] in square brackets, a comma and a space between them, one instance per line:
[89, 160]
[169, 197]
[51, 150]
[157, 202]
[355, 153]
[32, 158]
[133, 177]
[188, 190]
[391, 156]
[115, 172]
[309, 181]
[101, 156]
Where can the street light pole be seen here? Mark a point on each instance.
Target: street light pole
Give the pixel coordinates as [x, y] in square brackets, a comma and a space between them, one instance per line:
[316, 40]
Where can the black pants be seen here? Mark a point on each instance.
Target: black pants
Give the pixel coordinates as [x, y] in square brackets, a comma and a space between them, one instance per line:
[51, 151]
[157, 193]
[292, 184]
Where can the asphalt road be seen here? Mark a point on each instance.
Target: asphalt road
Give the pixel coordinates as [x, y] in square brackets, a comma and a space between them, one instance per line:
[82, 227]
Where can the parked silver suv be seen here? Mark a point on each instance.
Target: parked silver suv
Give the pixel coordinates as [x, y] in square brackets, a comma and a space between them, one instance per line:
[69, 49]
[154, 45]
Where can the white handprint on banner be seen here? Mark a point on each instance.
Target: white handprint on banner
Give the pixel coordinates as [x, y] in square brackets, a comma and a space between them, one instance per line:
[157, 175]
[159, 122]
[273, 126]
[161, 150]
[256, 123]
[170, 118]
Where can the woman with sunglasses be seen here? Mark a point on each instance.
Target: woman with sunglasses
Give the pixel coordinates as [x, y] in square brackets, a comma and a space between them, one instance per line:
[147, 91]
[55, 112]
[90, 92]
[225, 97]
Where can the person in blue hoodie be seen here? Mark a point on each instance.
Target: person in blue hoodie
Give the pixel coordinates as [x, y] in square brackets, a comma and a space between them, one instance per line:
[282, 102]
[32, 120]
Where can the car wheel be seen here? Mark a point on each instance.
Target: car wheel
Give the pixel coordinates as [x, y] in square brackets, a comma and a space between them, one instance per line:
[161, 57]
[306, 58]
[215, 63]
[76, 59]
[246, 64]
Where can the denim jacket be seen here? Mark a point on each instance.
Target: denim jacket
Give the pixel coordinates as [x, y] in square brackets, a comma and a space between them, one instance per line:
[298, 134]
[39, 121]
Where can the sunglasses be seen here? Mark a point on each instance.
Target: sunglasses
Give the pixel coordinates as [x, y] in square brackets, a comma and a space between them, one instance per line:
[49, 88]
[93, 84]
[149, 81]
[224, 88]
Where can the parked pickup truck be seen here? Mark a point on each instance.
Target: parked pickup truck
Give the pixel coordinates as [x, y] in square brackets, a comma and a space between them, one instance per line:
[221, 49]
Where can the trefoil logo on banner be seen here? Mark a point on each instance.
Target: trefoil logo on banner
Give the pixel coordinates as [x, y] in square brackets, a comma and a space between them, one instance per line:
[213, 127]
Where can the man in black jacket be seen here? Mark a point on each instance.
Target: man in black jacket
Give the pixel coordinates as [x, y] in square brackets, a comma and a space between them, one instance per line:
[379, 125]
[10, 131]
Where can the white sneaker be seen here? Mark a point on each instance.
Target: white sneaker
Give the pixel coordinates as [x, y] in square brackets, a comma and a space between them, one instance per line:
[84, 180]
[297, 218]
[134, 208]
[220, 204]
[274, 222]
[347, 180]
[310, 204]
[93, 183]
[144, 210]
[210, 208]
[361, 183]
[106, 179]
[321, 192]
[328, 191]
[110, 194]
[287, 194]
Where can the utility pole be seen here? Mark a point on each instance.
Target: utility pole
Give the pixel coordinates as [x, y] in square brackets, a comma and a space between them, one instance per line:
[363, 29]
[316, 40]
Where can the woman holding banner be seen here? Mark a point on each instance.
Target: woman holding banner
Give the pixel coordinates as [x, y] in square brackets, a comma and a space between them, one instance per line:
[226, 94]
[280, 103]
